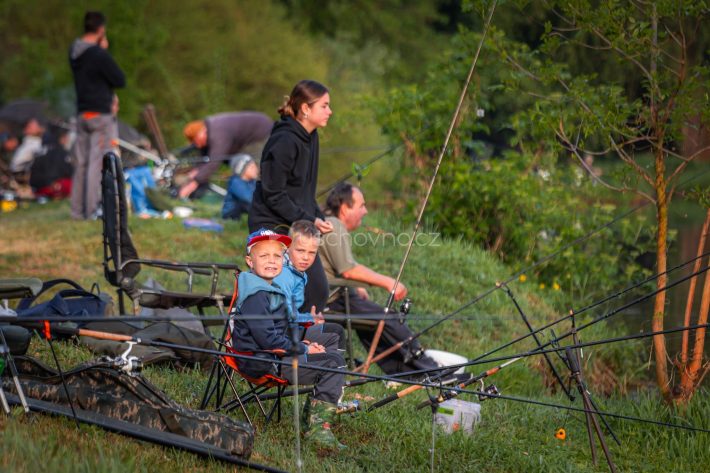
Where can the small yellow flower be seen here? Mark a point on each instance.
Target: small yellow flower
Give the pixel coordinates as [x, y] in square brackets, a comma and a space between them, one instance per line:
[542, 285]
[555, 286]
[523, 278]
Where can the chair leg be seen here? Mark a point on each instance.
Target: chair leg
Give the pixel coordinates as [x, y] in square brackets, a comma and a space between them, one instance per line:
[210, 391]
[348, 323]
[234, 391]
[212, 388]
[121, 303]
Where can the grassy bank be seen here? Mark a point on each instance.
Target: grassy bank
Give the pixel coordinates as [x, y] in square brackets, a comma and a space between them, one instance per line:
[441, 275]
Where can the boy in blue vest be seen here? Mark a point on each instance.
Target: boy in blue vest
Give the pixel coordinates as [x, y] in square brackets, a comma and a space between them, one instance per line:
[268, 337]
[305, 240]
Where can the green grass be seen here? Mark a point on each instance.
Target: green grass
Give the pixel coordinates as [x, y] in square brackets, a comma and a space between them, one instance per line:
[42, 241]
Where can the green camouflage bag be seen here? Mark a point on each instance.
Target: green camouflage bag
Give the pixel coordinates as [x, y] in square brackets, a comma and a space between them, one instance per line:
[99, 387]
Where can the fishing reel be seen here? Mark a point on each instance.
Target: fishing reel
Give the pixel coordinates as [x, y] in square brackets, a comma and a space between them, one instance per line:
[131, 365]
[413, 354]
[484, 391]
[404, 309]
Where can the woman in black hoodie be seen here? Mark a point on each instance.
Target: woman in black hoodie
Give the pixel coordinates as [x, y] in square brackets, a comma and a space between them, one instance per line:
[289, 174]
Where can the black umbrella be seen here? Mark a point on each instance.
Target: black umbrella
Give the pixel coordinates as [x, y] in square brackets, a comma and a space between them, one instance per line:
[18, 112]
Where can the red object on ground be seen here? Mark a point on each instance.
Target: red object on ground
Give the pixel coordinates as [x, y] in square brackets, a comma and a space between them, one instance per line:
[59, 189]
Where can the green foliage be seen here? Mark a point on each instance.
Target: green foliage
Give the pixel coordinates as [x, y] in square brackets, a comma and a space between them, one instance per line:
[190, 61]
[522, 204]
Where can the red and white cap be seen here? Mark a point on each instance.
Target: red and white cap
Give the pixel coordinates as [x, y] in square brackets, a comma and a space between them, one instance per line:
[263, 234]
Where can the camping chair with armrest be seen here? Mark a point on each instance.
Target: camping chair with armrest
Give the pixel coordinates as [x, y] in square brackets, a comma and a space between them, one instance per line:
[223, 372]
[346, 286]
[122, 264]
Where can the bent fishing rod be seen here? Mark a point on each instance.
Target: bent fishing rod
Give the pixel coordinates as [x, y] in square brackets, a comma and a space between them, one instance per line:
[449, 132]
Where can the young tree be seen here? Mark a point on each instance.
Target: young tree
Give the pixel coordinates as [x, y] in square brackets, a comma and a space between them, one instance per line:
[586, 116]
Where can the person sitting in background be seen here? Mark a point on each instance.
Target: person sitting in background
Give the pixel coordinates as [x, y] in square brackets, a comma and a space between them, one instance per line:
[30, 148]
[8, 145]
[240, 188]
[51, 171]
[220, 136]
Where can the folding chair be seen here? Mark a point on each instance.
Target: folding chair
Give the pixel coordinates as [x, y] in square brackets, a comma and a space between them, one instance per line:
[346, 286]
[122, 264]
[223, 377]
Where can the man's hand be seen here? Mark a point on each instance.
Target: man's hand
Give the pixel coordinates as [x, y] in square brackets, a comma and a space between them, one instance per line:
[314, 348]
[317, 318]
[401, 291]
[323, 226]
[362, 292]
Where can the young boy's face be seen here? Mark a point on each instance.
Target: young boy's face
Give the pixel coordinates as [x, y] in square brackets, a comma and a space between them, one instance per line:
[266, 259]
[303, 251]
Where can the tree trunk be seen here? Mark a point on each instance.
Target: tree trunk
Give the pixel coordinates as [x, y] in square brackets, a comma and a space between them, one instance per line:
[691, 293]
[690, 374]
[659, 306]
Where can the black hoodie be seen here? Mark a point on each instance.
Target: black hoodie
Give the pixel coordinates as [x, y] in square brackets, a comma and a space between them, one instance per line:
[289, 174]
[95, 76]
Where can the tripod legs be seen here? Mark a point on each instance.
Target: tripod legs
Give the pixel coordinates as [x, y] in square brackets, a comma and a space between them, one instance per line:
[590, 411]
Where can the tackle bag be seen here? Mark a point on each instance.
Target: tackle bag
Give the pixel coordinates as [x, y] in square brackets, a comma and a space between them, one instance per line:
[74, 302]
[100, 388]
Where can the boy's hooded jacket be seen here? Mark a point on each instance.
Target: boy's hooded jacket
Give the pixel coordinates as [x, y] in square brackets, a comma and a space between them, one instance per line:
[257, 335]
[293, 284]
[289, 173]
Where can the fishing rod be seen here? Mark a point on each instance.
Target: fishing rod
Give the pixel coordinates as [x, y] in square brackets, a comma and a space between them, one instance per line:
[534, 265]
[541, 347]
[361, 167]
[43, 323]
[399, 377]
[449, 132]
[483, 394]
[498, 285]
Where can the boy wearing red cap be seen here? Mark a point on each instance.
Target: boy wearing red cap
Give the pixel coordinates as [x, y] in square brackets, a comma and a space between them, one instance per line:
[268, 336]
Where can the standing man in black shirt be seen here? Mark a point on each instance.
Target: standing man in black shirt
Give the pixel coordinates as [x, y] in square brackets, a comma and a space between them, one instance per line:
[96, 75]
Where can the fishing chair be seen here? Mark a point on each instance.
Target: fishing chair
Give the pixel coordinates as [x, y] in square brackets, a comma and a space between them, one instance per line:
[226, 370]
[346, 286]
[122, 264]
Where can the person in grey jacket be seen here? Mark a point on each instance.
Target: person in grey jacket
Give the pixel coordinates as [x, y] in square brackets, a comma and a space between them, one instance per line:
[218, 137]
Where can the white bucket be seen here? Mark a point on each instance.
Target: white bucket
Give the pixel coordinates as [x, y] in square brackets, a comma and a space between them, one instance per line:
[456, 415]
[445, 358]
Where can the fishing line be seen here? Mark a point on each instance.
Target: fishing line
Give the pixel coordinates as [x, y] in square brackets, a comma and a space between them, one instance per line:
[438, 386]
[405, 342]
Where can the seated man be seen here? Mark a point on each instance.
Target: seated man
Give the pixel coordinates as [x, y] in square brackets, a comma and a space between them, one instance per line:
[268, 337]
[31, 147]
[240, 187]
[221, 136]
[305, 240]
[345, 208]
